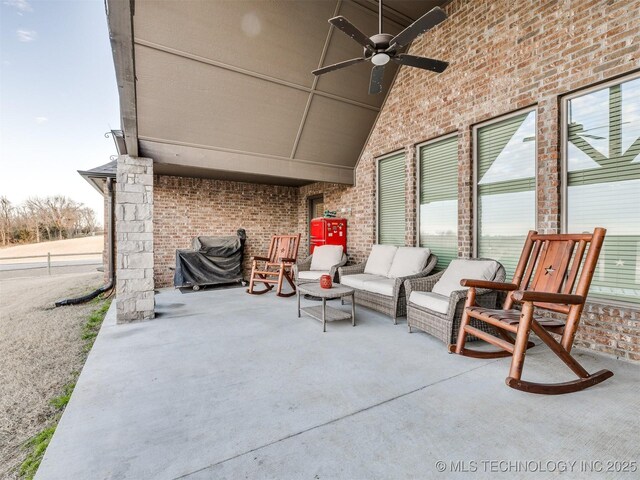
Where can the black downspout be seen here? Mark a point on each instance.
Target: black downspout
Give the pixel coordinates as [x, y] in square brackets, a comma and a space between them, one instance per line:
[110, 254]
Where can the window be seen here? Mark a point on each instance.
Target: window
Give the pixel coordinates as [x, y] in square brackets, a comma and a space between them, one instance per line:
[391, 201]
[601, 154]
[438, 198]
[505, 164]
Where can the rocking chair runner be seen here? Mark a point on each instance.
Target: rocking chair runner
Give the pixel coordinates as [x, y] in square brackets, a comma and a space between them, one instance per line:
[556, 263]
[283, 253]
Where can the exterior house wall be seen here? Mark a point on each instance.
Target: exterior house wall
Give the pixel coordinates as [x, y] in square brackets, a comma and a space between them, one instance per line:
[105, 221]
[190, 207]
[105, 234]
[504, 56]
[333, 195]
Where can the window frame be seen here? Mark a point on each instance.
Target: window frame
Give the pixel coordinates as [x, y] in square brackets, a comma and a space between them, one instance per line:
[418, 147]
[564, 168]
[378, 160]
[474, 136]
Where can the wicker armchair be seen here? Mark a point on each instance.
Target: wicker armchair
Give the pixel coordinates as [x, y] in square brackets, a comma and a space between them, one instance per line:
[305, 266]
[394, 306]
[445, 326]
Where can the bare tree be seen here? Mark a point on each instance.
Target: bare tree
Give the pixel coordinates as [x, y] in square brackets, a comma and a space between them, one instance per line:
[57, 217]
[88, 220]
[62, 213]
[37, 216]
[6, 214]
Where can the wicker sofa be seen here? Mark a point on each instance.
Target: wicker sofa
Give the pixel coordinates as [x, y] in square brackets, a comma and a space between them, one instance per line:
[439, 314]
[379, 282]
[327, 261]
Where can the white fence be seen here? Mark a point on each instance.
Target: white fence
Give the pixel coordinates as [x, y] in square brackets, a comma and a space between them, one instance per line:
[48, 256]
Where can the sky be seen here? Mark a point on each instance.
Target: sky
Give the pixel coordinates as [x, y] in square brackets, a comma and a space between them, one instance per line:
[58, 97]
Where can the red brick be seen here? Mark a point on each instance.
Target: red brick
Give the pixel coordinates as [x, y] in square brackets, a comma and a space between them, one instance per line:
[504, 56]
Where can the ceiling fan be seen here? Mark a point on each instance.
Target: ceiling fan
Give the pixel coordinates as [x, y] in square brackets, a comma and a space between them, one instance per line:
[578, 129]
[382, 47]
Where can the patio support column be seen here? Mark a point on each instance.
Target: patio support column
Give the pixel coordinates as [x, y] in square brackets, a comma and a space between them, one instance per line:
[411, 207]
[549, 169]
[134, 239]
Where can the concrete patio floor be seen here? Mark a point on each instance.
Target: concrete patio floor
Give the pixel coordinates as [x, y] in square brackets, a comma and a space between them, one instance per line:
[225, 385]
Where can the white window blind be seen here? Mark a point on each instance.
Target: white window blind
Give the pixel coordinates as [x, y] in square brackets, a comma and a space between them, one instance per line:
[505, 168]
[439, 199]
[603, 182]
[391, 200]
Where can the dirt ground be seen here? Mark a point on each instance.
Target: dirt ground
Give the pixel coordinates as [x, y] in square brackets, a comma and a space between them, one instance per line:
[40, 348]
[57, 247]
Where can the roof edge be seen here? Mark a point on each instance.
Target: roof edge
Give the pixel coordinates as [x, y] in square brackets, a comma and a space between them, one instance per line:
[120, 23]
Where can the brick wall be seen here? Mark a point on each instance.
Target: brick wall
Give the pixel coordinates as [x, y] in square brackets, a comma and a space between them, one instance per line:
[360, 201]
[105, 221]
[505, 56]
[188, 207]
[333, 195]
[105, 234]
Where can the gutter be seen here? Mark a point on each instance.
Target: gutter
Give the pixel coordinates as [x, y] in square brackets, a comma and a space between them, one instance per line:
[94, 179]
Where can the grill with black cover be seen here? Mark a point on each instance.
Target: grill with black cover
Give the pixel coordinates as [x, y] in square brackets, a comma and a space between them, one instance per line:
[211, 261]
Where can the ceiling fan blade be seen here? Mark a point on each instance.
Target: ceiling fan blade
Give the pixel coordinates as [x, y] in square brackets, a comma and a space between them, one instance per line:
[347, 27]
[426, 22]
[421, 62]
[602, 126]
[337, 66]
[375, 85]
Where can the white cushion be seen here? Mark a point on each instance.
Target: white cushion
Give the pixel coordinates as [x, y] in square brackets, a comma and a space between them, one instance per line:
[461, 268]
[312, 274]
[380, 260]
[430, 301]
[408, 261]
[383, 286]
[326, 256]
[358, 280]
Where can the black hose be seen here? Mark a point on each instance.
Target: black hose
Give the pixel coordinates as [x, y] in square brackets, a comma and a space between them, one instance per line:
[86, 298]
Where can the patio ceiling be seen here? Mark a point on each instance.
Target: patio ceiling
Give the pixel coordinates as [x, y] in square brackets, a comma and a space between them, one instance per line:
[224, 89]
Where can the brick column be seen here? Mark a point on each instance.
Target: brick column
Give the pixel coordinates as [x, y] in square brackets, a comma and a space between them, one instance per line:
[548, 172]
[465, 193]
[410, 236]
[134, 239]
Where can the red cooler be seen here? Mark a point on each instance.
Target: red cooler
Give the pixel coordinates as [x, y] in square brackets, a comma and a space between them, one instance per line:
[328, 231]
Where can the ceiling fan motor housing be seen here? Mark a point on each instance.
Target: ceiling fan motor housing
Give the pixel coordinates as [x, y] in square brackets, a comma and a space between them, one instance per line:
[381, 42]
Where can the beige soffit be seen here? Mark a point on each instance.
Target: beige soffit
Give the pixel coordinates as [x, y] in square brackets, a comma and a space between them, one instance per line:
[224, 88]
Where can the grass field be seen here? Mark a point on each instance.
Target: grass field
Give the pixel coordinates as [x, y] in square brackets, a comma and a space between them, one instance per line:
[56, 247]
[40, 349]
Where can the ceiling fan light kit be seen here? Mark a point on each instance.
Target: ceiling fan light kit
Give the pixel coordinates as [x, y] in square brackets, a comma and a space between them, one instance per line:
[380, 59]
[382, 47]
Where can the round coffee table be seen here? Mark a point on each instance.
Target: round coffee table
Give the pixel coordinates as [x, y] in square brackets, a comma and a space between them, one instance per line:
[324, 313]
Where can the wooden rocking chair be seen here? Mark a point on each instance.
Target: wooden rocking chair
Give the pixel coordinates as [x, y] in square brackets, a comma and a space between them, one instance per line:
[556, 268]
[277, 266]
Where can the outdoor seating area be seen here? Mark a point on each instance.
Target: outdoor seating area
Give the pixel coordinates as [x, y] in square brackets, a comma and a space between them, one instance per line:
[553, 274]
[228, 385]
[276, 267]
[445, 163]
[436, 303]
[460, 304]
[325, 260]
[379, 282]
